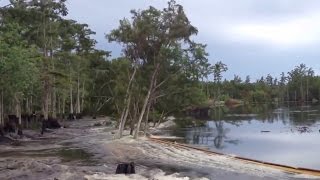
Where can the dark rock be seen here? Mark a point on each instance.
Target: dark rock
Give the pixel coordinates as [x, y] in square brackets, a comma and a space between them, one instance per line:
[97, 124]
[79, 116]
[11, 124]
[303, 129]
[53, 124]
[20, 130]
[265, 131]
[126, 168]
[72, 117]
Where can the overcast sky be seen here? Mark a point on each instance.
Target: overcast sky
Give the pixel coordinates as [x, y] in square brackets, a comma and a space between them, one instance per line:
[253, 37]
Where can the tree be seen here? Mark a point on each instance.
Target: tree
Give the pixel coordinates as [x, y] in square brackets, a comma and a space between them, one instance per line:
[218, 69]
[17, 67]
[153, 43]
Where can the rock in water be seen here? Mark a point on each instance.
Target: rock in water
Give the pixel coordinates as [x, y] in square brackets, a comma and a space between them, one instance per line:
[126, 168]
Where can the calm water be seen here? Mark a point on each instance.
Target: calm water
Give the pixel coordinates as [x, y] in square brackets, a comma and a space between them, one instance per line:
[284, 135]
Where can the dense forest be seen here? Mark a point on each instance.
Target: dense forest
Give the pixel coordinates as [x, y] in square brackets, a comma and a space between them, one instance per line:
[49, 65]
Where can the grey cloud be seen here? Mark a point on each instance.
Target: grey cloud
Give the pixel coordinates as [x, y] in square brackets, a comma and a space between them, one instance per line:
[215, 18]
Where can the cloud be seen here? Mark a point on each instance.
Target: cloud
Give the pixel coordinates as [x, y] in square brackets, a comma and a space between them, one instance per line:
[253, 37]
[295, 32]
[274, 24]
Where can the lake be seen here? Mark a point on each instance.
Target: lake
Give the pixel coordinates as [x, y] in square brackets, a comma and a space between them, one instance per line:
[287, 135]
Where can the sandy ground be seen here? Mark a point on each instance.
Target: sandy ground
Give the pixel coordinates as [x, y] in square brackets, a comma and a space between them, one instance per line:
[84, 151]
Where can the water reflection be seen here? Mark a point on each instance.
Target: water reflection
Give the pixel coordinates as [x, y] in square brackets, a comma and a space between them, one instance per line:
[285, 135]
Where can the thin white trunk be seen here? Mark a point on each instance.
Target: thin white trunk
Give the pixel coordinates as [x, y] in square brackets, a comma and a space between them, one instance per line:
[125, 117]
[27, 106]
[146, 100]
[82, 96]
[31, 104]
[146, 125]
[59, 106]
[46, 101]
[78, 108]
[71, 100]
[54, 102]
[17, 107]
[63, 103]
[126, 103]
[1, 109]
[161, 117]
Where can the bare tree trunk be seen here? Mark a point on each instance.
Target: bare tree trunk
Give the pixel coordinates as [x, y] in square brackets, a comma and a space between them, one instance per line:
[147, 119]
[160, 118]
[146, 100]
[1, 110]
[154, 117]
[78, 108]
[71, 100]
[17, 104]
[54, 102]
[82, 96]
[31, 104]
[63, 104]
[59, 107]
[124, 118]
[135, 110]
[126, 103]
[46, 101]
[27, 111]
[27, 106]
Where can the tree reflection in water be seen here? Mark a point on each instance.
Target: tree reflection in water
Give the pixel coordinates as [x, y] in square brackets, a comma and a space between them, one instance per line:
[214, 134]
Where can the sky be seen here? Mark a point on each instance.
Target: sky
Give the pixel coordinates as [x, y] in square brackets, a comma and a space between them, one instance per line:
[253, 37]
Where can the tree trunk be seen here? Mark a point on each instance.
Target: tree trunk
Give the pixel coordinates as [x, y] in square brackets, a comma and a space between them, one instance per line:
[17, 104]
[1, 110]
[147, 119]
[63, 104]
[31, 104]
[71, 100]
[59, 107]
[126, 103]
[54, 102]
[124, 117]
[146, 100]
[78, 108]
[82, 96]
[27, 106]
[46, 101]
[46, 78]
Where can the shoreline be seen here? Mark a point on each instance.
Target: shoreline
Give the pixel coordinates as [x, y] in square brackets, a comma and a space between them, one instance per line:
[43, 159]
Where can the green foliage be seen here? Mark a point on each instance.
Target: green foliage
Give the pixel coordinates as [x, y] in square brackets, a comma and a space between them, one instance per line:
[18, 64]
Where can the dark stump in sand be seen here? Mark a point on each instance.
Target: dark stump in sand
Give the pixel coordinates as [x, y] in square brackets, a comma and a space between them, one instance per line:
[51, 123]
[72, 117]
[126, 168]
